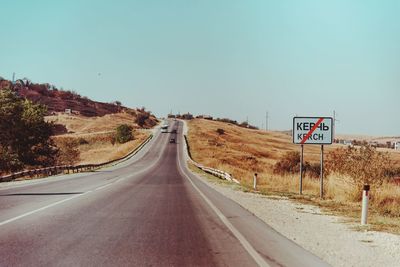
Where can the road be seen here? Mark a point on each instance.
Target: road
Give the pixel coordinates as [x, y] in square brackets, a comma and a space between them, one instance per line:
[148, 211]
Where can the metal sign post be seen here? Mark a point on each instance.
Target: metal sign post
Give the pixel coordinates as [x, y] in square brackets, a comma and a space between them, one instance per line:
[321, 189]
[301, 170]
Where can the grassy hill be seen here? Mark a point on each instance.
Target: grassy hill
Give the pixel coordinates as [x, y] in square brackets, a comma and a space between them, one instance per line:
[89, 127]
[243, 152]
[94, 135]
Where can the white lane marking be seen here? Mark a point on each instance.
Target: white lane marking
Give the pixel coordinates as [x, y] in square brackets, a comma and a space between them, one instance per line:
[40, 209]
[76, 196]
[103, 186]
[53, 204]
[246, 245]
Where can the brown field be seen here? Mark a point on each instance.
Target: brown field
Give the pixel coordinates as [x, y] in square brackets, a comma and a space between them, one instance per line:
[242, 152]
[97, 133]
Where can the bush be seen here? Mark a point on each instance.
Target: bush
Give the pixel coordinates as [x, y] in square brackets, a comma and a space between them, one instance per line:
[68, 153]
[288, 164]
[220, 131]
[363, 165]
[141, 118]
[123, 133]
[82, 141]
[313, 170]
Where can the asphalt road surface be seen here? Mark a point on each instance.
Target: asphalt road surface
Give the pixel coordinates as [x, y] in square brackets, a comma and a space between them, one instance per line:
[148, 211]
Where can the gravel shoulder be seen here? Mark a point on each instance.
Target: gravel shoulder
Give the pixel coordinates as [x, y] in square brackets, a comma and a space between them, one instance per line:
[328, 237]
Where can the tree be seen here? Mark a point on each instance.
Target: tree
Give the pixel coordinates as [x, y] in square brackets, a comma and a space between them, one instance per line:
[123, 133]
[24, 134]
[142, 117]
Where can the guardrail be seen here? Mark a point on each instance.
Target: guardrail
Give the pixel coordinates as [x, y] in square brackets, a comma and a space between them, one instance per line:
[49, 171]
[212, 171]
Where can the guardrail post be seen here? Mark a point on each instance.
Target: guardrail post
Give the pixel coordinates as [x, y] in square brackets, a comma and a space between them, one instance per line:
[255, 181]
[364, 210]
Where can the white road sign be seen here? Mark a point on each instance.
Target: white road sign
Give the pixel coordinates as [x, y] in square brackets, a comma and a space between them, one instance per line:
[313, 130]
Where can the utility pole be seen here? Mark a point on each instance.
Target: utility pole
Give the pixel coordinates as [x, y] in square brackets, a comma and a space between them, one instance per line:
[334, 123]
[13, 78]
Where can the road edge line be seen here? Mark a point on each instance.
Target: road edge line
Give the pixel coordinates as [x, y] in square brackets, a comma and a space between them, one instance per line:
[243, 241]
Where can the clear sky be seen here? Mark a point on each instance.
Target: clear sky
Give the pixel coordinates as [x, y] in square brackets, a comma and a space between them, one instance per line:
[226, 58]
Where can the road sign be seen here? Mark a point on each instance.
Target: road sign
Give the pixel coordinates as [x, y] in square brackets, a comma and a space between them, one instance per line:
[312, 130]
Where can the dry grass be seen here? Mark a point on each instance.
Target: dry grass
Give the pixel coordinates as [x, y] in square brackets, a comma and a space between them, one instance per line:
[84, 125]
[242, 152]
[98, 152]
[95, 134]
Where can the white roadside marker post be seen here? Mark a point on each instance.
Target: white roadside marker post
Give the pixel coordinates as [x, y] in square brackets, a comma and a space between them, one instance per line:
[255, 181]
[364, 210]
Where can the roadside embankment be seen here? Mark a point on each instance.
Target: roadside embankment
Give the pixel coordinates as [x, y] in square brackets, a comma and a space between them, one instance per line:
[332, 238]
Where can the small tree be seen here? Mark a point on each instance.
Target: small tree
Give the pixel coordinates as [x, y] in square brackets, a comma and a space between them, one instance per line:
[123, 133]
[24, 134]
[220, 131]
[141, 118]
[288, 164]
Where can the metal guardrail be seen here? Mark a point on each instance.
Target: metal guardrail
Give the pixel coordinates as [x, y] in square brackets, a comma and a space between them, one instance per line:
[212, 171]
[49, 171]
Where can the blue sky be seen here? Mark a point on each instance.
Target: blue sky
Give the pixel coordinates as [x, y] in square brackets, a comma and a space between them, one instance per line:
[227, 58]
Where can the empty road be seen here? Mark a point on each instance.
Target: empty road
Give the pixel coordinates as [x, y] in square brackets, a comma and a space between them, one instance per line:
[147, 211]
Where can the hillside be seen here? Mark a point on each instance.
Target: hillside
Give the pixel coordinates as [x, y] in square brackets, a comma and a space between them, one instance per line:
[59, 100]
[93, 136]
[76, 125]
[241, 149]
[84, 129]
[243, 152]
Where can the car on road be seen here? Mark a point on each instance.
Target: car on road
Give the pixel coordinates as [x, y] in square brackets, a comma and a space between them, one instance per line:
[172, 140]
[174, 131]
[164, 128]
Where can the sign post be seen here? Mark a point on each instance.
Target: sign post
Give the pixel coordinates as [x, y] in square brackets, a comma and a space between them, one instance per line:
[301, 170]
[321, 172]
[314, 131]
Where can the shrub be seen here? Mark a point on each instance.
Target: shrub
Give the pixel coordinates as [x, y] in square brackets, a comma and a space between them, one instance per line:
[363, 165]
[313, 170]
[82, 141]
[123, 133]
[288, 164]
[68, 153]
[220, 131]
[141, 118]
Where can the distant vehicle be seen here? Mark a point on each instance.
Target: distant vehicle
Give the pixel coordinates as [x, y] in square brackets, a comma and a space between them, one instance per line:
[172, 140]
[164, 128]
[174, 131]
